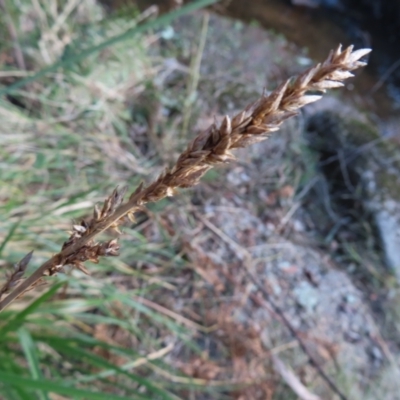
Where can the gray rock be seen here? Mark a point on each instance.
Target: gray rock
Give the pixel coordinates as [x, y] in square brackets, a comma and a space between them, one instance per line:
[387, 219]
[374, 160]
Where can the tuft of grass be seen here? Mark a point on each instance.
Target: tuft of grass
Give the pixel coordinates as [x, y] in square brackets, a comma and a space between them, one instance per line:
[210, 148]
[103, 335]
[64, 140]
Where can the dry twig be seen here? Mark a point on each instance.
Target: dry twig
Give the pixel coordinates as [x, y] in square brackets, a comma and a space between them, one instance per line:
[293, 332]
[245, 256]
[209, 148]
[292, 380]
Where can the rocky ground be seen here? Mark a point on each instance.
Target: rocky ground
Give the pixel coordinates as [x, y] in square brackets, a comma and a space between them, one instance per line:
[311, 214]
[288, 253]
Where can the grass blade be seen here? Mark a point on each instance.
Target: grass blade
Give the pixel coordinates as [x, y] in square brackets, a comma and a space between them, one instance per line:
[13, 394]
[30, 351]
[14, 323]
[9, 236]
[97, 361]
[162, 20]
[48, 386]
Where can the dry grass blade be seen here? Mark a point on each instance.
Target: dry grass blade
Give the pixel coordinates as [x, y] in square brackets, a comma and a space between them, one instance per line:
[293, 381]
[208, 149]
[16, 276]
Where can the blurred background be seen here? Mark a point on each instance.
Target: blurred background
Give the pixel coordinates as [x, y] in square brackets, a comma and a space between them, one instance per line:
[95, 94]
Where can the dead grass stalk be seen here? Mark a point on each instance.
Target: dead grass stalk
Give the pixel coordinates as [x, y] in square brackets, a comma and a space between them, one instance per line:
[210, 148]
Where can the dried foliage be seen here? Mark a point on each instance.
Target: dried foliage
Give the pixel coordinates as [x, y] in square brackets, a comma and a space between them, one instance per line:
[15, 277]
[208, 149]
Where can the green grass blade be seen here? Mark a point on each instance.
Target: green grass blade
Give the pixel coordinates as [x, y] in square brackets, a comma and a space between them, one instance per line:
[80, 354]
[80, 340]
[179, 330]
[14, 323]
[30, 351]
[12, 394]
[10, 364]
[56, 387]
[9, 236]
[160, 21]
